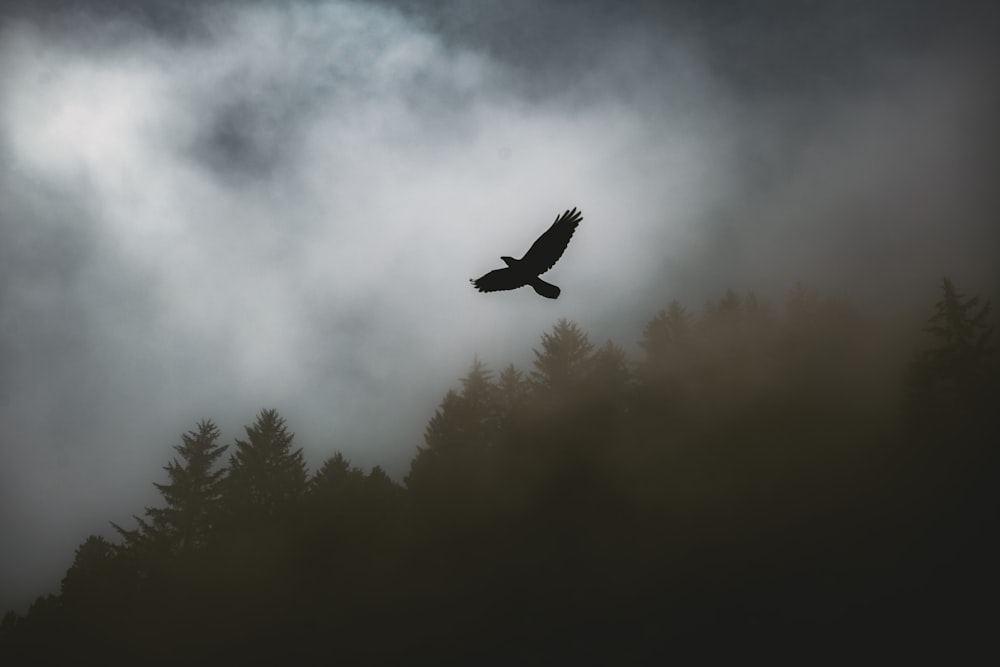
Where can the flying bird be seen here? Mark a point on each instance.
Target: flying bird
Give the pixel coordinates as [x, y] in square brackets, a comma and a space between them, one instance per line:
[541, 256]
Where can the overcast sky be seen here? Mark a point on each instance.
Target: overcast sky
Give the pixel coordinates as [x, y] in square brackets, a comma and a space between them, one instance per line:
[208, 209]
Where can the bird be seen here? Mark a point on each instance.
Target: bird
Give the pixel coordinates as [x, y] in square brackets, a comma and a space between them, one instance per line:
[541, 256]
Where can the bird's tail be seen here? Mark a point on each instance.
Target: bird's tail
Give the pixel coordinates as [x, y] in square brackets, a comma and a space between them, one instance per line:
[545, 289]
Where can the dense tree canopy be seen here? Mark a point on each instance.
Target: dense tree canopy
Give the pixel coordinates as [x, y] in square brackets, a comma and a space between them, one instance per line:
[760, 477]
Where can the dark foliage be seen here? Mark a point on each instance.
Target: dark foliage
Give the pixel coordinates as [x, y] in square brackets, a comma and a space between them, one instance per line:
[265, 475]
[192, 496]
[760, 483]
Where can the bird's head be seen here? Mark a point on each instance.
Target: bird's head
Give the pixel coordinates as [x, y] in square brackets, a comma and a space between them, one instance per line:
[509, 261]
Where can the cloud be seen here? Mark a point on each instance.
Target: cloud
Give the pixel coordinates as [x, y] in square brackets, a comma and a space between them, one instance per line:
[253, 206]
[285, 212]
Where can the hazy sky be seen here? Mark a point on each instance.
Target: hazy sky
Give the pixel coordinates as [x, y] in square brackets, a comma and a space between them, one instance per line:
[210, 209]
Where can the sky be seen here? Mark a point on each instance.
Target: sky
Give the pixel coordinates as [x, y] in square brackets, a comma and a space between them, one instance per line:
[213, 208]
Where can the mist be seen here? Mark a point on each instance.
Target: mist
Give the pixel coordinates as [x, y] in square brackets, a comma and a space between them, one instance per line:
[207, 212]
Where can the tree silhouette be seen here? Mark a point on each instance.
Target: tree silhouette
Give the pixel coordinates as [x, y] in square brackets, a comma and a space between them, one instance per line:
[349, 514]
[192, 494]
[512, 389]
[667, 338]
[265, 474]
[610, 379]
[87, 578]
[444, 444]
[953, 390]
[563, 362]
[336, 480]
[735, 483]
[955, 372]
[195, 487]
[457, 440]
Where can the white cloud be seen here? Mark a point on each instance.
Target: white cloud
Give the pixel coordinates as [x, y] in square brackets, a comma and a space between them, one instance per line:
[285, 209]
[287, 212]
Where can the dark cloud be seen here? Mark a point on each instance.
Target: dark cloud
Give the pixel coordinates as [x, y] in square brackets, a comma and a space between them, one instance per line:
[242, 137]
[213, 208]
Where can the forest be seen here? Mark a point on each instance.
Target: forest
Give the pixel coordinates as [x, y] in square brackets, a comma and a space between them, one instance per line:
[796, 479]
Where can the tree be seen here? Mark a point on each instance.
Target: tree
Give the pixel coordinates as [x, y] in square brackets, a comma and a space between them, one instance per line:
[265, 474]
[87, 578]
[380, 486]
[478, 398]
[511, 396]
[192, 498]
[194, 489]
[957, 372]
[340, 492]
[459, 440]
[511, 389]
[610, 377]
[348, 514]
[959, 323]
[563, 361]
[667, 338]
[335, 479]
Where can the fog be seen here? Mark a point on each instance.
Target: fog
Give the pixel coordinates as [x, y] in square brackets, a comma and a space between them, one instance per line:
[207, 212]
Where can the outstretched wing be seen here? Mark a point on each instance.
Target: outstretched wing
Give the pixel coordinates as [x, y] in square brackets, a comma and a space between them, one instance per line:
[500, 279]
[549, 247]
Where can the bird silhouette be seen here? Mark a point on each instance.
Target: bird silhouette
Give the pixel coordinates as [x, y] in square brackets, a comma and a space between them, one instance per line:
[541, 257]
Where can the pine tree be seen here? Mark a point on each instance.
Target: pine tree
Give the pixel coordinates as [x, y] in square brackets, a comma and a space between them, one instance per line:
[959, 370]
[380, 485]
[511, 395]
[335, 489]
[610, 377]
[335, 477]
[192, 496]
[87, 578]
[667, 338]
[340, 491]
[563, 362]
[511, 389]
[478, 395]
[194, 490]
[335, 507]
[458, 439]
[959, 323]
[265, 474]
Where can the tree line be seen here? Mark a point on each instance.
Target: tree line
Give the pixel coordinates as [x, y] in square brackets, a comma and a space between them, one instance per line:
[759, 477]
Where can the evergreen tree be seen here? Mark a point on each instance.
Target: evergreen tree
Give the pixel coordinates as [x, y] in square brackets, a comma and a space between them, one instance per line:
[87, 578]
[669, 343]
[336, 490]
[194, 489]
[960, 325]
[381, 487]
[511, 394]
[564, 360]
[443, 441]
[959, 370]
[667, 337]
[458, 441]
[335, 478]
[511, 389]
[478, 396]
[265, 474]
[610, 375]
[192, 501]
[337, 513]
